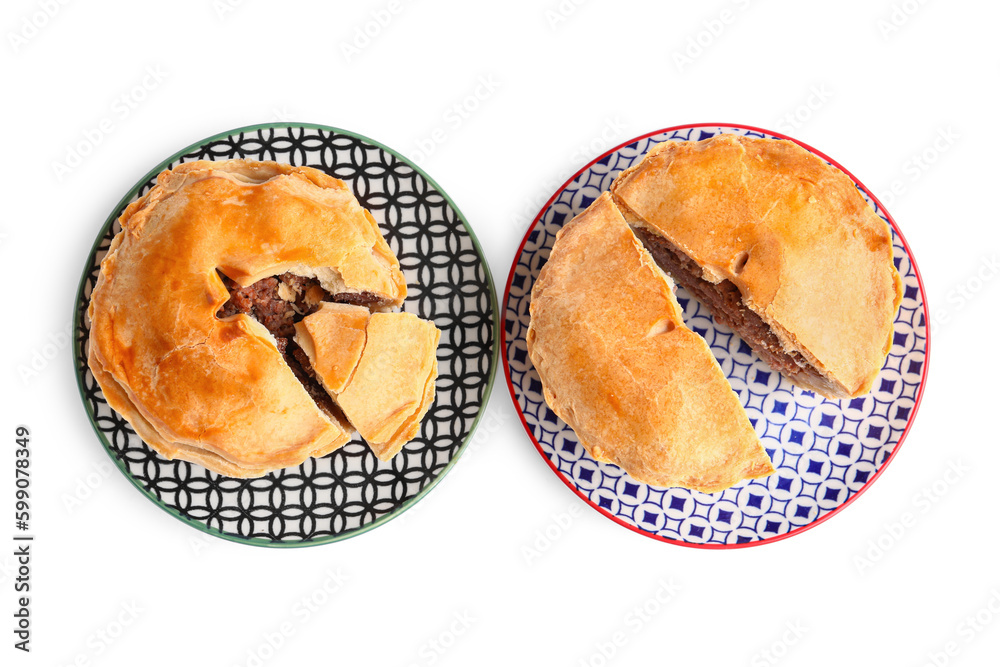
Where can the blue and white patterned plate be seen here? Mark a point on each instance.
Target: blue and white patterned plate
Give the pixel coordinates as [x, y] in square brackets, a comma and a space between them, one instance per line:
[826, 452]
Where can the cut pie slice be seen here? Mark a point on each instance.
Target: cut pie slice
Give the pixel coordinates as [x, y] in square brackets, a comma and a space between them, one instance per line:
[640, 389]
[779, 245]
[380, 370]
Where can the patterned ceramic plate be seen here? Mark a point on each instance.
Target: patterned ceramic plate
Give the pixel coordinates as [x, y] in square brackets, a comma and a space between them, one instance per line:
[826, 452]
[350, 491]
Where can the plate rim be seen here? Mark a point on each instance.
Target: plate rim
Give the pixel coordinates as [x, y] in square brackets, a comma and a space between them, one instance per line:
[260, 541]
[767, 540]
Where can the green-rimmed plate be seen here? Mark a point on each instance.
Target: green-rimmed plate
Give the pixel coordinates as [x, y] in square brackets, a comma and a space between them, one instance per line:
[349, 491]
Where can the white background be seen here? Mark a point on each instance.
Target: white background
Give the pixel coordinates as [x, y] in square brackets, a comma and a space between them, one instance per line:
[565, 88]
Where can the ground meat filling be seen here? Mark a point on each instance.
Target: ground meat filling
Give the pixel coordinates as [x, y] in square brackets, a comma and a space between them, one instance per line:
[725, 302]
[278, 303]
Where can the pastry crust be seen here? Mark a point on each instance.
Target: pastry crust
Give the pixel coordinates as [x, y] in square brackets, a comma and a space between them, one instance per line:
[393, 385]
[617, 363]
[217, 391]
[808, 254]
[118, 400]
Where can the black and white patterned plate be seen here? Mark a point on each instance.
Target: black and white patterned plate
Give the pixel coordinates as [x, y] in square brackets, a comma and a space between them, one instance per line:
[826, 452]
[349, 491]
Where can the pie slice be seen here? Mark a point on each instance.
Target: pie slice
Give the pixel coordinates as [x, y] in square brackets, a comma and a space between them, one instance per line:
[640, 389]
[391, 386]
[779, 245]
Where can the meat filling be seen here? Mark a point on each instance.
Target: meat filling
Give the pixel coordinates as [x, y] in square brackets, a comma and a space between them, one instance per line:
[278, 303]
[725, 302]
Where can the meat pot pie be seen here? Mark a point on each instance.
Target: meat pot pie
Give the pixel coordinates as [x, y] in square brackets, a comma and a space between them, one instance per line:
[195, 314]
[777, 244]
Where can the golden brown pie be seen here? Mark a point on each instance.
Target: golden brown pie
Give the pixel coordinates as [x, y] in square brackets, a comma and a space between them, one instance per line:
[617, 363]
[779, 245]
[195, 311]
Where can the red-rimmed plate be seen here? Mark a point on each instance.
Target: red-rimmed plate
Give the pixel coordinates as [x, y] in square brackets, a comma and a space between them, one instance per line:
[826, 452]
